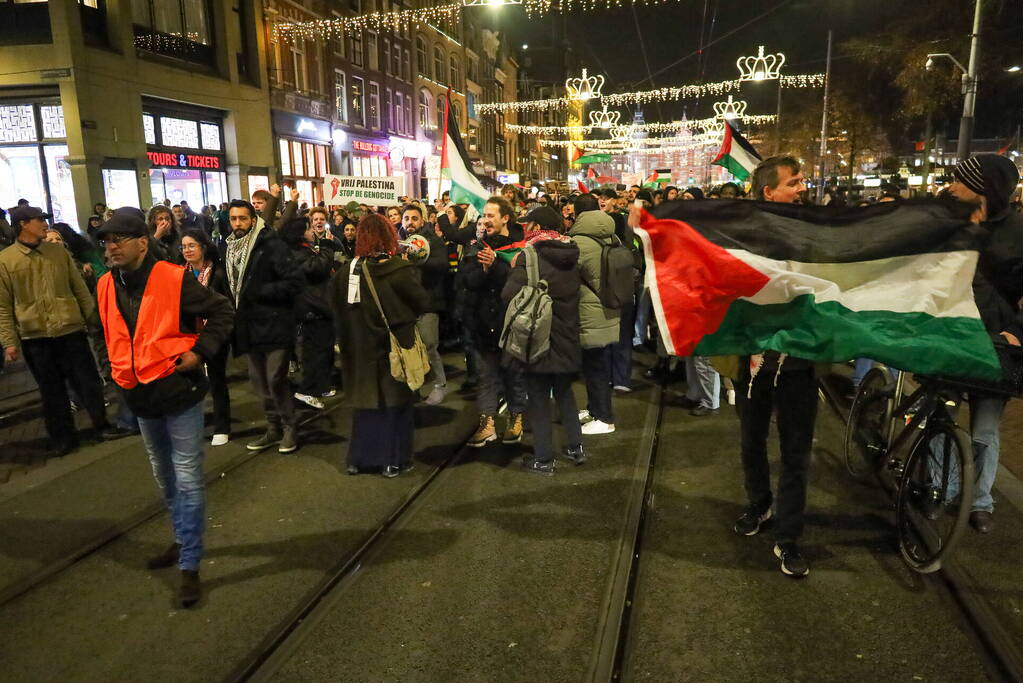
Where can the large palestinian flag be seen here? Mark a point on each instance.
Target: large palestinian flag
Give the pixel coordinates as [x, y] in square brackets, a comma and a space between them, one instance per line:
[890, 282]
[466, 188]
[737, 154]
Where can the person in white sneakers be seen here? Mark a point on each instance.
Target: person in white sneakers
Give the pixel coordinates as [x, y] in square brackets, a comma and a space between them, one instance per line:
[598, 325]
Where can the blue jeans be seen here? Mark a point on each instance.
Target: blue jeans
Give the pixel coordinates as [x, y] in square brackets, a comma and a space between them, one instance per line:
[643, 307]
[703, 383]
[174, 444]
[985, 421]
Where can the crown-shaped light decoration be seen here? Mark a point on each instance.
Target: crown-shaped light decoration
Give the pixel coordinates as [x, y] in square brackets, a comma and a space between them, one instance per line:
[732, 109]
[622, 133]
[760, 68]
[584, 88]
[604, 119]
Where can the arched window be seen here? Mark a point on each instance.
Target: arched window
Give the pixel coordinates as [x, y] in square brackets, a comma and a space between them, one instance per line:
[438, 66]
[440, 114]
[422, 62]
[456, 109]
[453, 72]
[424, 108]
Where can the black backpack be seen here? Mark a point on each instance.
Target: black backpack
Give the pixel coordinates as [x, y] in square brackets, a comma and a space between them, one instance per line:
[617, 274]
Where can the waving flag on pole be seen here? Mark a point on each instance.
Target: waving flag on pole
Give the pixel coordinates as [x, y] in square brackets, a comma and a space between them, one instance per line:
[892, 282]
[582, 188]
[737, 154]
[466, 188]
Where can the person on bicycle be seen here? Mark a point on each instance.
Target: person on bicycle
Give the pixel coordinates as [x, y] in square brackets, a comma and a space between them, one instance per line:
[769, 383]
[987, 181]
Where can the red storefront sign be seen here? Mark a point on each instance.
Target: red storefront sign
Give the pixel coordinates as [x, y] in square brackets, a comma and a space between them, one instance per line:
[184, 160]
[369, 147]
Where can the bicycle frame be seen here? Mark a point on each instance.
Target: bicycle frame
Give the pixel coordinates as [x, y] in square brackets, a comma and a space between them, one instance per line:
[930, 398]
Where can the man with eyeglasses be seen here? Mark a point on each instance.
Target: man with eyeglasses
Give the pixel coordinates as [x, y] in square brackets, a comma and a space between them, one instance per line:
[44, 306]
[160, 325]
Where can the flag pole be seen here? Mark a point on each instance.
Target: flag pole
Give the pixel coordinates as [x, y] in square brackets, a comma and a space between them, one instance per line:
[824, 125]
[444, 143]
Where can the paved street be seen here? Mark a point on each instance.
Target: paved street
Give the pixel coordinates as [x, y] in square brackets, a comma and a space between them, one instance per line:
[492, 574]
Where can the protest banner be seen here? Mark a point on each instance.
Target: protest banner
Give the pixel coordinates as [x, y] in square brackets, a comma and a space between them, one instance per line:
[375, 191]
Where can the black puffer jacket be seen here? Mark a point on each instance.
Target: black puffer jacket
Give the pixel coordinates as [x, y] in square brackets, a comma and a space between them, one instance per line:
[316, 266]
[558, 266]
[433, 270]
[265, 318]
[485, 287]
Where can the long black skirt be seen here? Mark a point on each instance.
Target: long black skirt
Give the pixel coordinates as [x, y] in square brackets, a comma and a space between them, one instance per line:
[381, 437]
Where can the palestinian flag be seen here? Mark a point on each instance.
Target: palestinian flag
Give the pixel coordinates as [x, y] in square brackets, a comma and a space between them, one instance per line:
[466, 188]
[590, 173]
[575, 153]
[737, 154]
[892, 282]
[592, 159]
[582, 188]
[508, 251]
[661, 176]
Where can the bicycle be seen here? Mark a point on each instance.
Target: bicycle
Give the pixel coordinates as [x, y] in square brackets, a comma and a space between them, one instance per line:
[934, 482]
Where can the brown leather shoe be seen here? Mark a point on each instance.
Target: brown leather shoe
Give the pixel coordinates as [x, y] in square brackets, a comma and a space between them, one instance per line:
[982, 520]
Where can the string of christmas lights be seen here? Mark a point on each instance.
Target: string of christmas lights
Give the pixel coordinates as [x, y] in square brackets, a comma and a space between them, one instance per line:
[546, 130]
[646, 96]
[539, 7]
[328, 29]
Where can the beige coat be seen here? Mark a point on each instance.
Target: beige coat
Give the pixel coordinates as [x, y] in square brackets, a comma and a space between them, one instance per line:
[42, 294]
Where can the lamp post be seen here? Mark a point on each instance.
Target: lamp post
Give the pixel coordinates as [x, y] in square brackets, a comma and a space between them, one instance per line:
[969, 83]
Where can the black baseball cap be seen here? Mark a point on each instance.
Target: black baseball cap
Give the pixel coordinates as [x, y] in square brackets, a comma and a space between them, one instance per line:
[543, 216]
[23, 212]
[127, 224]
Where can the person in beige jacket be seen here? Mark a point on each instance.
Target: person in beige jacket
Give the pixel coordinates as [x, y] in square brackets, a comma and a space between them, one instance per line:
[44, 305]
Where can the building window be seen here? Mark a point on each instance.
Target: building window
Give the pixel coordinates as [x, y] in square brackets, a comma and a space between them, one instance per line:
[453, 72]
[33, 160]
[424, 110]
[338, 41]
[340, 103]
[298, 59]
[407, 67]
[210, 136]
[357, 48]
[388, 112]
[175, 28]
[304, 164]
[409, 128]
[396, 61]
[438, 65]
[179, 132]
[374, 106]
[471, 70]
[387, 62]
[440, 112]
[372, 53]
[422, 62]
[357, 102]
[456, 109]
[399, 118]
[149, 128]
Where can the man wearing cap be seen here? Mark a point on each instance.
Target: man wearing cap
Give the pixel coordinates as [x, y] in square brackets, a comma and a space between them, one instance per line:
[44, 305]
[987, 181]
[160, 325]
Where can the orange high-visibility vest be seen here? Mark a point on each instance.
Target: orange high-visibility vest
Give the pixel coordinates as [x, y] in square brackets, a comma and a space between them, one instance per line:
[158, 340]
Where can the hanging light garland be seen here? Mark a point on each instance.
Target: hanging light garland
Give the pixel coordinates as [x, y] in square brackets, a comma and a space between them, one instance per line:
[528, 105]
[328, 29]
[547, 130]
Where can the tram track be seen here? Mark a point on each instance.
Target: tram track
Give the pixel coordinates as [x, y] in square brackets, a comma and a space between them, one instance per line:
[1002, 653]
[288, 637]
[93, 545]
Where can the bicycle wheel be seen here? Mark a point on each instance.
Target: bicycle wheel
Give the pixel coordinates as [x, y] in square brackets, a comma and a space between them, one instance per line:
[935, 494]
[866, 430]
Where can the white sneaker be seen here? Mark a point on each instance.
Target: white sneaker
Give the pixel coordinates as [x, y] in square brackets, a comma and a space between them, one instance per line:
[220, 439]
[731, 397]
[597, 427]
[310, 401]
[584, 416]
[436, 396]
[330, 394]
[622, 388]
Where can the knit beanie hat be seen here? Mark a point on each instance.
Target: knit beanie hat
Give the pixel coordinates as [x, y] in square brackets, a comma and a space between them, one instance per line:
[991, 175]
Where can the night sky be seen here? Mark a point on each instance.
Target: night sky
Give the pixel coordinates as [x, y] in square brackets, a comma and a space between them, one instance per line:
[606, 41]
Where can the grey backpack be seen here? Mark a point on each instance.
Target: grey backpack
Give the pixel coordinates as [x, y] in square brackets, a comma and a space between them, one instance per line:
[526, 335]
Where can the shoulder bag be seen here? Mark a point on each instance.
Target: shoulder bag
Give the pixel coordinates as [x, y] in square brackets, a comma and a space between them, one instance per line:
[408, 366]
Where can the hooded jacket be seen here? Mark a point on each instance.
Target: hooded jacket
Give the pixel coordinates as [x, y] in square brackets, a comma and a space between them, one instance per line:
[559, 267]
[485, 287]
[599, 326]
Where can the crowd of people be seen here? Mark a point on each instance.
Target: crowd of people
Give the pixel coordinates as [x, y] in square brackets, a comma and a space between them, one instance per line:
[323, 299]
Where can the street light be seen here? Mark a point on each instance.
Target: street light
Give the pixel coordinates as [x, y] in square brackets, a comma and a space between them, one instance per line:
[969, 83]
[1013, 69]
